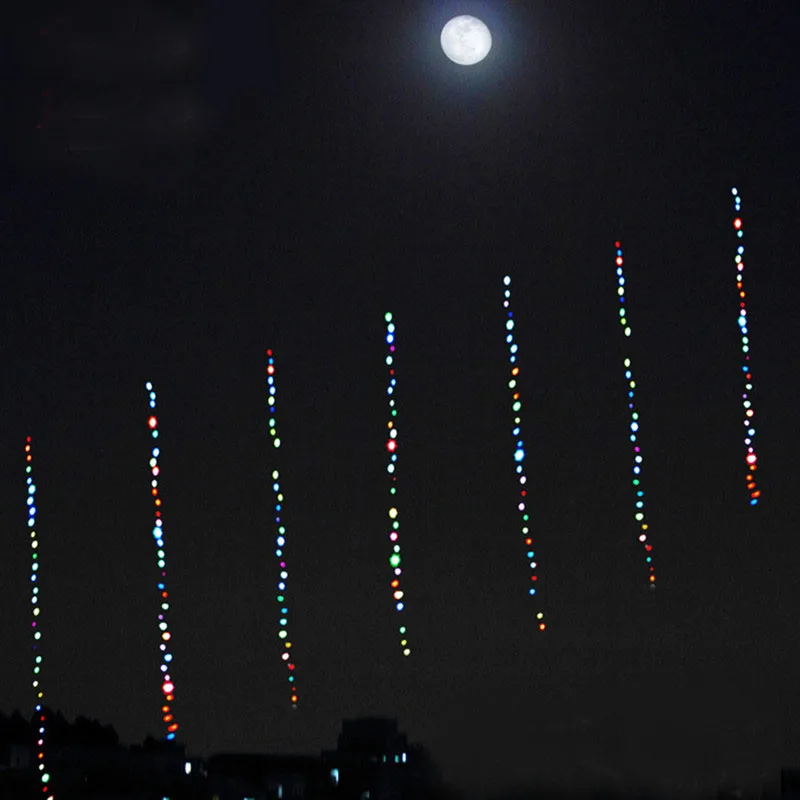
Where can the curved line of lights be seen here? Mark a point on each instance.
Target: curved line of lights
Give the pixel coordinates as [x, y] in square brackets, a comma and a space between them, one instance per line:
[751, 458]
[391, 468]
[167, 686]
[280, 540]
[44, 776]
[638, 514]
[519, 448]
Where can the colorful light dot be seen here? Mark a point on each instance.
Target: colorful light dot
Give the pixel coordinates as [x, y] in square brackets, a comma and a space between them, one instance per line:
[167, 686]
[747, 404]
[639, 513]
[519, 446]
[280, 531]
[391, 468]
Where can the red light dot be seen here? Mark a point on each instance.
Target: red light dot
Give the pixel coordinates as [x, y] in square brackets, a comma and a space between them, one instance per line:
[391, 445]
[619, 261]
[152, 422]
[737, 223]
[269, 352]
[172, 728]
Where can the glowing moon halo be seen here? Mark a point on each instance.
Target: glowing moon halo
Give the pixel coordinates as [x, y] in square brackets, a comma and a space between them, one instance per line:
[466, 40]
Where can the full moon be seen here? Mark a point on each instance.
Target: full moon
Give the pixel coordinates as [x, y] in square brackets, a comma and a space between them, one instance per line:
[466, 40]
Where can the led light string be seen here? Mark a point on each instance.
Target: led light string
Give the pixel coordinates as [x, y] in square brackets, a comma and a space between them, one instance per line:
[639, 512]
[167, 686]
[392, 444]
[280, 540]
[534, 590]
[751, 459]
[44, 776]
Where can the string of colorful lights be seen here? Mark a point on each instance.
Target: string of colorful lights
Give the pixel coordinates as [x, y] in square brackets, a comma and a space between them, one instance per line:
[639, 513]
[280, 540]
[44, 776]
[167, 686]
[751, 458]
[394, 515]
[519, 451]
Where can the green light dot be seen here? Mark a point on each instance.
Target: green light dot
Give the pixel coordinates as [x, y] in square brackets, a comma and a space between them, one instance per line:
[394, 560]
[387, 316]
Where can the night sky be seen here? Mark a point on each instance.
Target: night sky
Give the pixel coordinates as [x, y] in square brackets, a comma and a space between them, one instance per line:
[336, 166]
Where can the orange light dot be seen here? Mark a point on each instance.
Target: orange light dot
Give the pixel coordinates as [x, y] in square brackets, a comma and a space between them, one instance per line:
[173, 727]
[542, 626]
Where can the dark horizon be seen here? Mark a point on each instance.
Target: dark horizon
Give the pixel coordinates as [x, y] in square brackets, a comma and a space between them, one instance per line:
[335, 167]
